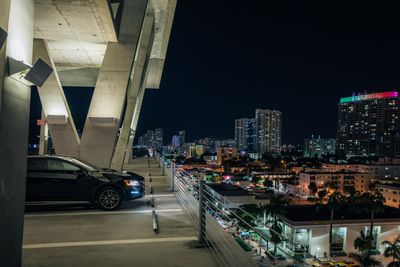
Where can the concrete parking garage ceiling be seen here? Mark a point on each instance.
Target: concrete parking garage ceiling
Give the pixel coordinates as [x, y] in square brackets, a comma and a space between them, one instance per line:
[77, 33]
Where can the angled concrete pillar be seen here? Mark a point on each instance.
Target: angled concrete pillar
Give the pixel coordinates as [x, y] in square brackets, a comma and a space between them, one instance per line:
[105, 111]
[44, 137]
[55, 107]
[135, 120]
[136, 82]
[16, 18]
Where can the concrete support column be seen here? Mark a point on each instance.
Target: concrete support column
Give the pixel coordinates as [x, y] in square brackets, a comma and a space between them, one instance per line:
[105, 111]
[138, 80]
[135, 120]
[16, 17]
[44, 137]
[55, 107]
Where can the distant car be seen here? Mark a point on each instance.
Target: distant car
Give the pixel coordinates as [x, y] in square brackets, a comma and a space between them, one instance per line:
[67, 180]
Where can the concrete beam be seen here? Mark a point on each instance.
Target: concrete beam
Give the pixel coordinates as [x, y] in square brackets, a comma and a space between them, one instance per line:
[98, 139]
[64, 135]
[14, 125]
[164, 13]
[103, 14]
[136, 83]
[135, 120]
[78, 77]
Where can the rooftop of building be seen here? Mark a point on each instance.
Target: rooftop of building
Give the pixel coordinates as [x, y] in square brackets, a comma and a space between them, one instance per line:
[373, 96]
[229, 190]
[334, 172]
[320, 214]
[393, 185]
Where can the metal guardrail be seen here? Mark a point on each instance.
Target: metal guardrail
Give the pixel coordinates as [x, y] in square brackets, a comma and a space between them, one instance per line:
[219, 226]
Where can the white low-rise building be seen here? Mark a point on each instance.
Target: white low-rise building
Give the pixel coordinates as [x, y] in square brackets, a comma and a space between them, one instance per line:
[307, 230]
[391, 193]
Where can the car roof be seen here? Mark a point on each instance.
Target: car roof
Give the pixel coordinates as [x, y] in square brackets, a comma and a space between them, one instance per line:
[49, 156]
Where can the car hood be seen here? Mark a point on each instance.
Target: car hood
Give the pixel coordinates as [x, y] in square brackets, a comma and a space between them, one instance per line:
[113, 174]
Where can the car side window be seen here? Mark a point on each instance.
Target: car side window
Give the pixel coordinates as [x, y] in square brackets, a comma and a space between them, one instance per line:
[60, 165]
[35, 164]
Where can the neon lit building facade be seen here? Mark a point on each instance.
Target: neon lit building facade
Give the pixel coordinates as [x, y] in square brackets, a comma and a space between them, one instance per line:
[368, 125]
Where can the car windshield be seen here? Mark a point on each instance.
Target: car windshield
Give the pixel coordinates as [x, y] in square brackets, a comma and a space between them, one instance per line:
[86, 165]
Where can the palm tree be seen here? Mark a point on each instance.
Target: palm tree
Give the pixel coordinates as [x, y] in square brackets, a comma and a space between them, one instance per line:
[276, 235]
[392, 249]
[374, 202]
[275, 206]
[334, 202]
[273, 209]
[363, 243]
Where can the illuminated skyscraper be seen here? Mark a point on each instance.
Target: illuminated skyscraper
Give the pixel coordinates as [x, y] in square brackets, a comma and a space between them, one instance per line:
[268, 137]
[182, 136]
[244, 134]
[159, 138]
[368, 125]
[317, 147]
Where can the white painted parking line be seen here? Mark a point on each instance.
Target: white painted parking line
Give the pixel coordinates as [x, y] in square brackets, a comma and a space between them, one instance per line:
[100, 213]
[109, 242]
[161, 195]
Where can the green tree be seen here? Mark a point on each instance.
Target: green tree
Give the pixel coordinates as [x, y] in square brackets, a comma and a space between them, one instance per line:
[276, 235]
[351, 190]
[247, 215]
[374, 201]
[268, 183]
[313, 188]
[363, 244]
[322, 194]
[275, 207]
[255, 180]
[334, 202]
[392, 250]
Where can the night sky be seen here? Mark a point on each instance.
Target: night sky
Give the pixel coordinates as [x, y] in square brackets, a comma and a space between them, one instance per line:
[225, 60]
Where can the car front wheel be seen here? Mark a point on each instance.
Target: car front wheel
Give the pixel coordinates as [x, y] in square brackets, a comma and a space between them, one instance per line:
[109, 198]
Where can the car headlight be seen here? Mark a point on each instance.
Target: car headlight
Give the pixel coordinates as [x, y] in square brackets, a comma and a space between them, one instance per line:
[131, 183]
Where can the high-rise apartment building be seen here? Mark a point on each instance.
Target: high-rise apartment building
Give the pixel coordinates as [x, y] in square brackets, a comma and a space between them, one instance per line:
[244, 134]
[182, 137]
[268, 135]
[159, 138]
[368, 125]
[152, 139]
[208, 144]
[318, 147]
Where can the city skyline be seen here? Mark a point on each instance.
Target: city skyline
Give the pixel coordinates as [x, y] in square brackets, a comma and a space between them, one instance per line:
[306, 61]
[299, 60]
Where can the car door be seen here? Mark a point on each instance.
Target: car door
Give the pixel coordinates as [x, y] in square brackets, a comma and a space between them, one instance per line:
[35, 180]
[70, 182]
[62, 179]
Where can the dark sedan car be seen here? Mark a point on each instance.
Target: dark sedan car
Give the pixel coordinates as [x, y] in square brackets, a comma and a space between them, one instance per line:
[57, 179]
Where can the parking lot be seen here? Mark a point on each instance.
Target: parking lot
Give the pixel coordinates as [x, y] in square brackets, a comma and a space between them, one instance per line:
[55, 236]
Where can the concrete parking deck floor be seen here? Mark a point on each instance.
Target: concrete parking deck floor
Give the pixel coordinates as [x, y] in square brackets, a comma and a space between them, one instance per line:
[91, 237]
